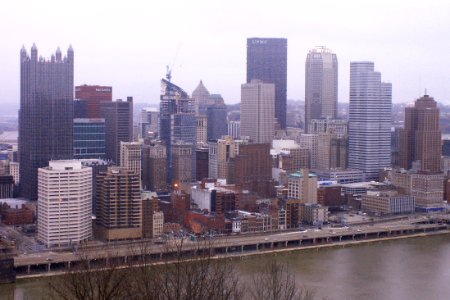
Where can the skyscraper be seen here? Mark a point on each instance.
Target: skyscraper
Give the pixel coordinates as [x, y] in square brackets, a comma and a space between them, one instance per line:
[93, 95]
[118, 117]
[65, 203]
[267, 61]
[257, 111]
[177, 122]
[119, 210]
[321, 85]
[369, 125]
[46, 114]
[420, 139]
[217, 117]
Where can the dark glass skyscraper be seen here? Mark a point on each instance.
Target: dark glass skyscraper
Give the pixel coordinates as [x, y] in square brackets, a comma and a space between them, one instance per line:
[217, 121]
[45, 115]
[118, 117]
[267, 61]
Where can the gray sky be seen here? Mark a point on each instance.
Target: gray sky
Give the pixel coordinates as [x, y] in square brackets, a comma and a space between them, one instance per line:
[127, 44]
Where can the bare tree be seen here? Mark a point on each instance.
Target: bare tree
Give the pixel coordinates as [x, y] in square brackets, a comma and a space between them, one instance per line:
[188, 272]
[275, 281]
[90, 279]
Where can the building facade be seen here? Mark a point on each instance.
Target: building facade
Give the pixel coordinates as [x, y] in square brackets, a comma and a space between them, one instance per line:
[118, 117]
[217, 125]
[267, 61]
[131, 157]
[93, 95]
[89, 139]
[64, 203]
[302, 185]
[45, 115]
[321, 85]
[177, 122]
[257, 111]
[119, 207]
[420, 139]
[369, 125]
[154, 171]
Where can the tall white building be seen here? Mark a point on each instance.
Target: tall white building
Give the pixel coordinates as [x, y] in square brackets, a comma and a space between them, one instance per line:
[64, 203]
[369, 126]
[258, 111]
[321, 85]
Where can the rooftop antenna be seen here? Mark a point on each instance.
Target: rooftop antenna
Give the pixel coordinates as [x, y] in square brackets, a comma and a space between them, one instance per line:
[169, 68]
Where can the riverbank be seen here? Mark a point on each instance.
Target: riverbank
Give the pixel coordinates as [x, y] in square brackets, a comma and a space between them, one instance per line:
[265, 251]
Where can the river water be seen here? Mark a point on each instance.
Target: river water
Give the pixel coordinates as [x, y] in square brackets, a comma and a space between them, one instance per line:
[413, 268]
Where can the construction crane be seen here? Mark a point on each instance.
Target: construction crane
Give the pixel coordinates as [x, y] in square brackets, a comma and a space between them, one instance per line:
[169, 68]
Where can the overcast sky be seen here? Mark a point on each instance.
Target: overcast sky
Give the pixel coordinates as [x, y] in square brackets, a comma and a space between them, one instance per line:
[127, 44]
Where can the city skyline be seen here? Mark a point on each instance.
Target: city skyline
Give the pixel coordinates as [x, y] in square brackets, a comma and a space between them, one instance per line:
[111, 49]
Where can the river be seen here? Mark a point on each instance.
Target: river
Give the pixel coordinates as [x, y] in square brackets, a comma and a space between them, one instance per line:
[409, 269]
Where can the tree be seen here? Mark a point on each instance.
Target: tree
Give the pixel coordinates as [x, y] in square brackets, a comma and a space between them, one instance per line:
[275, 281]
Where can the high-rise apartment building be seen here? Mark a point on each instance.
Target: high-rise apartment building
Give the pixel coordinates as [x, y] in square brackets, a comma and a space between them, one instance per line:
[321, 85]
[420, 139]
[118, 117]
[369, 125]
[89, 138]
[93, 96]
[177, 122]
[130, 157]
[257, 111]
[267, 61]
[64, 203]
[45, 115]
[119, 207]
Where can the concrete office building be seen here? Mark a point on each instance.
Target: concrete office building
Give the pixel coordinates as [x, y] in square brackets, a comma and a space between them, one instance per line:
[321, 85]
[267, 61]
[257, 111]
[154, 172]
[45, 115]
[302, 185]
[311, 142]
[64, 203]
[387, 203]
[420, 139]
[369, 125]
